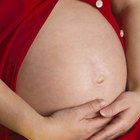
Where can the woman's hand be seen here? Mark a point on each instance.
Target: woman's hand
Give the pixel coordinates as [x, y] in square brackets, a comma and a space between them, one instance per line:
[126, 109]
[77, 123]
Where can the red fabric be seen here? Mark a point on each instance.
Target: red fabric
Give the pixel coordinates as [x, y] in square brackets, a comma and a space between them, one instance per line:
[20, 21]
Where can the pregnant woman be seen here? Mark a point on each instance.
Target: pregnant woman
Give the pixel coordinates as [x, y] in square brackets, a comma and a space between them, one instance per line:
[64, 56]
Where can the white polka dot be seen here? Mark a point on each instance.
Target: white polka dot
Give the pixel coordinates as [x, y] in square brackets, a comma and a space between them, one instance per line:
[99, 3]
[121, 33]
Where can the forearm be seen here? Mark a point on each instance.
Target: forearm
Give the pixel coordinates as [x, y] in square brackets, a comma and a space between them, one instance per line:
[16, 114]
[130, 21]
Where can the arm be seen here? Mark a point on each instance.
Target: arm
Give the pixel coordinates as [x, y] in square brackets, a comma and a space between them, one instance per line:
[133, 44]
[128, 11]
[15, 113]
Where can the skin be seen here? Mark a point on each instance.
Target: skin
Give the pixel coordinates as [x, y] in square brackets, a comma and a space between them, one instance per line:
[125, 108]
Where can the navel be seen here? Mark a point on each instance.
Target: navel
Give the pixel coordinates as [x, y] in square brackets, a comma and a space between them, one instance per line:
[100, 79]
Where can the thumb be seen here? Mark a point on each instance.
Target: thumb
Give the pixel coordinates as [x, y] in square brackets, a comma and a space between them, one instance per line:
[114, 108]
[90, 108]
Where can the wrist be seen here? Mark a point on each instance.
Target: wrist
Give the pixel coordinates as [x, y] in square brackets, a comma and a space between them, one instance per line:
[45, 129]
[33, 130]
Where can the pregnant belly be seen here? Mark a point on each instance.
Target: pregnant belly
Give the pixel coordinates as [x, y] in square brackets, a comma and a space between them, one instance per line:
[75, 58]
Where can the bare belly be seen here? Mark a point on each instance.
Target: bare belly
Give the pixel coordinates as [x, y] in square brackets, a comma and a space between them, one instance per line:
[75, 58]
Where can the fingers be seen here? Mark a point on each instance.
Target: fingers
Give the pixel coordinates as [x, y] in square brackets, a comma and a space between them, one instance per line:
[90, 108]
[116, 128]
[98, 123]
[114, 108]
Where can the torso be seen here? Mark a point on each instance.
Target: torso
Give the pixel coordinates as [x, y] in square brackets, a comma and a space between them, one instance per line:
[75, 58]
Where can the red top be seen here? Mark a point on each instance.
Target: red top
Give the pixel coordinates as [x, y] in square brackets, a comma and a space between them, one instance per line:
[20, 21]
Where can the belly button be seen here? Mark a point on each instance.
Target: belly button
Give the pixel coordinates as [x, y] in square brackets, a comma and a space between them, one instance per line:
[100, 79]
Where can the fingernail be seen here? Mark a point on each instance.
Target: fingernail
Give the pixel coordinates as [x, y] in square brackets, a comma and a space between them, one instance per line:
[103, 112]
